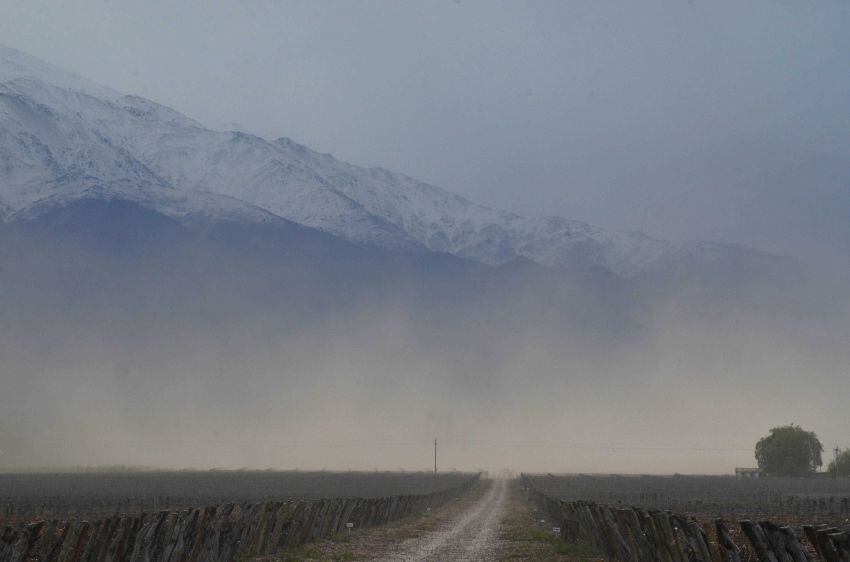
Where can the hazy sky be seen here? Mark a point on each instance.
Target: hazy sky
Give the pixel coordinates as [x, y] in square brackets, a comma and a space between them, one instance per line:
[701, 119]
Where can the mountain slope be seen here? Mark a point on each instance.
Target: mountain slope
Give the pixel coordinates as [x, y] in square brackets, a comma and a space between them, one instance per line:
[62, 136]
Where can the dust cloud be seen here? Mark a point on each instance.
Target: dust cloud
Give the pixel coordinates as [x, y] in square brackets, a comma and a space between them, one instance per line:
[194, 355]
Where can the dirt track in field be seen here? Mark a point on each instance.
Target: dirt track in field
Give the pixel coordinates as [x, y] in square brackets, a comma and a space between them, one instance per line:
[494, 521]
[471, 535]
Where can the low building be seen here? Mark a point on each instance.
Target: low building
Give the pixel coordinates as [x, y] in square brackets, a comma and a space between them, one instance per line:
[748, 472]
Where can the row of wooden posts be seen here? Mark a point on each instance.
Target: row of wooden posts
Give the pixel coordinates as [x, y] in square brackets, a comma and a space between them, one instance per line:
[641, 535]
[62, 507]
[803, 504]
[791, 504]
[209, 534]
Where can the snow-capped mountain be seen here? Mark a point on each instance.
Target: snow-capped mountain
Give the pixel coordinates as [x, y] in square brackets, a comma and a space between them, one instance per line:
[64, 138]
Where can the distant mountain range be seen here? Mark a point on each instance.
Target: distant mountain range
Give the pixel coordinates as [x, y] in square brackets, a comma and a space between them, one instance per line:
[161, 280]
[66, 139]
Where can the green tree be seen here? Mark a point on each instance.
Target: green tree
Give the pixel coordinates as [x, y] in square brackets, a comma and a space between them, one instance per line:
[789, 450]
[840, 466]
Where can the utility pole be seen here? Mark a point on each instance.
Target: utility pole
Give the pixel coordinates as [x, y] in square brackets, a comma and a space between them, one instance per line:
[835, 453]
[435, 455]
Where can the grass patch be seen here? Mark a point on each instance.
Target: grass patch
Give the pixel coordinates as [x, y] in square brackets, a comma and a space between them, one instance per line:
[568, 548]
[313, 553]
[522, 537]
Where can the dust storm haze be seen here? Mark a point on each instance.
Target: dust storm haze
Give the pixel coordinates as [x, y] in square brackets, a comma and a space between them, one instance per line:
[130, 338]
[199, 356]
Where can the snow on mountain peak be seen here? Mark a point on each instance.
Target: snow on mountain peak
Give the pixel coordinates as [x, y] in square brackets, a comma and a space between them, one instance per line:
[17, 65]
[64, 137]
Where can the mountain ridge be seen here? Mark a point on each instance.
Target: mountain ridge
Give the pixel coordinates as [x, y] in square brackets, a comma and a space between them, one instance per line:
[64, 137]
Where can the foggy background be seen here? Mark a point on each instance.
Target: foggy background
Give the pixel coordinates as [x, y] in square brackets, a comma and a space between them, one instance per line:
[717, 120]
[713, 120]
[139, 341]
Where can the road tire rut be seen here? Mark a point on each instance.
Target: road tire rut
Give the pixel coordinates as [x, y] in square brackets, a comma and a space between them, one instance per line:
[470, 536]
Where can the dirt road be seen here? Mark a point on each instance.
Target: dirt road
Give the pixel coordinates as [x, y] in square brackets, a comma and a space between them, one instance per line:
[470, 536]
[494, 521]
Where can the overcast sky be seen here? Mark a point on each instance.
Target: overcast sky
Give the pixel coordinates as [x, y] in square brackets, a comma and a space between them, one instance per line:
[701, 119]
